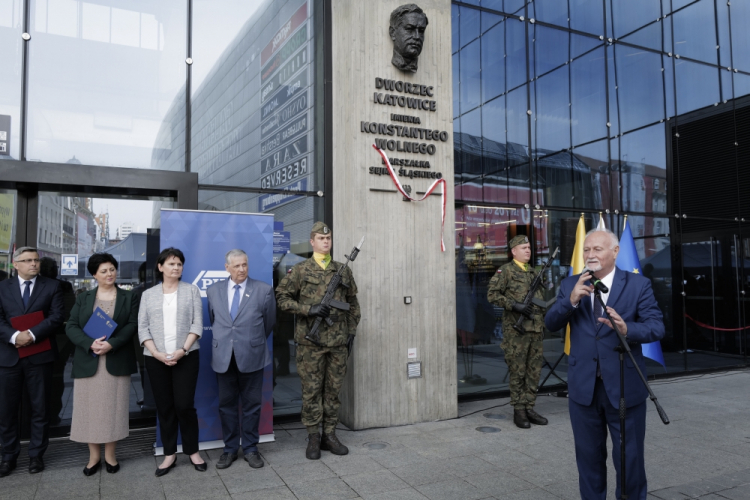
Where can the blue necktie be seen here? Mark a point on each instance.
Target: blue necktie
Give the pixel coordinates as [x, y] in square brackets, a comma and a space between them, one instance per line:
[235, 302]
[598, 311]
[26, 293]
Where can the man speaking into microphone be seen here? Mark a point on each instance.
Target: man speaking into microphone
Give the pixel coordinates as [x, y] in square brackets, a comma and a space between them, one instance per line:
[593, 364]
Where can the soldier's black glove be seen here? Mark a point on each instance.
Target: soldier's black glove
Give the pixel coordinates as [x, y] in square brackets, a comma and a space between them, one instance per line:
[320, 310]
[525, 309]
[350, 344]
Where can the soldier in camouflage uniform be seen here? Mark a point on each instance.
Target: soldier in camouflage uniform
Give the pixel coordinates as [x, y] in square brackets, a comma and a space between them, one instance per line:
[321, 369]
[523, 352]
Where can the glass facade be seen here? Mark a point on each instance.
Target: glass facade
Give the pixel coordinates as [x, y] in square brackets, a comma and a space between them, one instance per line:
[222, 88]
[569, 108]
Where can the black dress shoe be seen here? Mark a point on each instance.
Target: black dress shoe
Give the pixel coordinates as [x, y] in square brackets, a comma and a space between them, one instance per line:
[165, 471]
[90, 471]
[253, 458]
[6, 467]
[112, 469]
[36, 465]
[225, 460]
[199, 467]
[520, 419]
[536, 418]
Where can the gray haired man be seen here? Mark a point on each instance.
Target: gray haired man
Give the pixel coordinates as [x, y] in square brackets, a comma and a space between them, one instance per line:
[243, 313]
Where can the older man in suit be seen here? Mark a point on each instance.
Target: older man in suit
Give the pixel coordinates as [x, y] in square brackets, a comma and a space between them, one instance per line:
[26, 294]
[594, 368]
[243, 313]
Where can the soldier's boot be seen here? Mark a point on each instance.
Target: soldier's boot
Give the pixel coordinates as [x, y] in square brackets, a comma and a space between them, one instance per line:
[520, 418]
[535, 418]
[331, 443]
[313, 446]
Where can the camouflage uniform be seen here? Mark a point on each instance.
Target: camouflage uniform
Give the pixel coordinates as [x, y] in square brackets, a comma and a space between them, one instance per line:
[321, 369]
[523, 352]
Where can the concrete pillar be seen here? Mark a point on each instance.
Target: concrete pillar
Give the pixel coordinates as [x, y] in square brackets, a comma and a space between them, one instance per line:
[401, 256]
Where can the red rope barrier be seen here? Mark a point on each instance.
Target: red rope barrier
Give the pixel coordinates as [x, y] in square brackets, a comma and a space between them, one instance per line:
[703, 325]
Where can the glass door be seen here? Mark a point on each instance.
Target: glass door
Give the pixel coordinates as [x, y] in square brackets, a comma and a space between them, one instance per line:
[712, 268]
[70, 228]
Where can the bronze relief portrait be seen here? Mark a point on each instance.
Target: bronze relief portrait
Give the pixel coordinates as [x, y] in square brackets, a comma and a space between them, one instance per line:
[408, 24]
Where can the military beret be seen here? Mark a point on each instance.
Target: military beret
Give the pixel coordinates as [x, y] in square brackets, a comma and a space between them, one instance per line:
[521, 239]
[320, 228]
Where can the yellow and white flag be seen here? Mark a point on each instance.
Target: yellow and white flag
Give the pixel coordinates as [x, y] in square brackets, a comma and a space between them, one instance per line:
[577, 265]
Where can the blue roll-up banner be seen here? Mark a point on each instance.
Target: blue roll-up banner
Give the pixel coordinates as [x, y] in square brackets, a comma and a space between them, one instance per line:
[205, 238]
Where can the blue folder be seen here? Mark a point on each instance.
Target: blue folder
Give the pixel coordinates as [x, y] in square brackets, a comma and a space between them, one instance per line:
[99, 325]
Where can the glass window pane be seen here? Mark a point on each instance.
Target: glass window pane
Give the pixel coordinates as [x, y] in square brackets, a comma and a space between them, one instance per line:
[7, 231]
[493, 135]
[518, 143]
[695, 32]
[587, 16]
[640, 90]
[493, 62]
[580, 44]
[493, 4]
[722, 18]
[456, 83]
[644, 170]
[697, 85]
[552, 117]
[469, 21]
[591, 164]
[629, 15]
[471, 143]
[513, 6]
[649, 36]
[490, 20]
[515, 53]
[253, 101]
[455, 23]
[11, 47]
[551, 11]
[551, 49]
[589, 97]
[554, 175]
[471, 78]
[739, 14]
[118, 102]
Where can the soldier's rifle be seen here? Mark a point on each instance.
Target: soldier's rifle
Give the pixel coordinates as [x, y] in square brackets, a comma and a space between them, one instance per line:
[336, 281]
[518, 326]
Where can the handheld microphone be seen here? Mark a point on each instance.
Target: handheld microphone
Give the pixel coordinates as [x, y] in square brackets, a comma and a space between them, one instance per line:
[596, 282]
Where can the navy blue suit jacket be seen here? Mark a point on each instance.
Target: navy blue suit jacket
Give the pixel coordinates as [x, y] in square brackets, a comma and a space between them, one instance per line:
[46, 297]
[633, 299]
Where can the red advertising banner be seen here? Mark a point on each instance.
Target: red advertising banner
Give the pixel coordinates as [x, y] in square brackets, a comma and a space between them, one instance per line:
[283, 34]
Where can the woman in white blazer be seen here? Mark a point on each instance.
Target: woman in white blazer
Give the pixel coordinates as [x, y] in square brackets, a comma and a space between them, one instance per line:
[170, 322]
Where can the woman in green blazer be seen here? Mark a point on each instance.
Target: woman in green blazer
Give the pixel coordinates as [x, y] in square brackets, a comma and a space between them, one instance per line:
[102, 367]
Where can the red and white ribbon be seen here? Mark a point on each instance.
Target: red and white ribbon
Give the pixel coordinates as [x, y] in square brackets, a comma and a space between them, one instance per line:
[429, 191]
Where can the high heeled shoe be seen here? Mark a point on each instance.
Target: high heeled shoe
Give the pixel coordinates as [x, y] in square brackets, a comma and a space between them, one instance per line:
[112, 469]
[165, 471]
[90, 471]
[199, 467]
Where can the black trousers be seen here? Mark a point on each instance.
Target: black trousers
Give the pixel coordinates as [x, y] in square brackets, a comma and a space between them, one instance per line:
[38, 381]
[233, 387]
[174, 391]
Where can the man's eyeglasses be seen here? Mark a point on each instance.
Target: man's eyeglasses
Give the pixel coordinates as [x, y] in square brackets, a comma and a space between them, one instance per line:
[28, 261]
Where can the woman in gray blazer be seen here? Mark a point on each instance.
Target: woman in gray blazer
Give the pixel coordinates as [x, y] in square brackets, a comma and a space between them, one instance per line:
[170, 322]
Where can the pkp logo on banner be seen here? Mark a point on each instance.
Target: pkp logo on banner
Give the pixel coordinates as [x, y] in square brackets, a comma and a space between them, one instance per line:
[207, 278]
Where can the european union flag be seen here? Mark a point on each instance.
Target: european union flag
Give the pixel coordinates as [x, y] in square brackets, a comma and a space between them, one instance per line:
[627, 260]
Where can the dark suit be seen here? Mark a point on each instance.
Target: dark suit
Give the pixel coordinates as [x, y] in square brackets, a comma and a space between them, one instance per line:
[121, 359]
[35, 370]
[594, 401]
[239, 354]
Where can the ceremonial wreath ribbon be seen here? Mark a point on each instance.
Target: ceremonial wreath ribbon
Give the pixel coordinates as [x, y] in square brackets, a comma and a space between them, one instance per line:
[429, 191]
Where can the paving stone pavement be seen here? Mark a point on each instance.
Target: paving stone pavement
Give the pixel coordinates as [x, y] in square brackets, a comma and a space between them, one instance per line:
[703, 453]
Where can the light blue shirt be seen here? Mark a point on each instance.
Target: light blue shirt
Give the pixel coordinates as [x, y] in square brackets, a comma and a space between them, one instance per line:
[230, 292]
